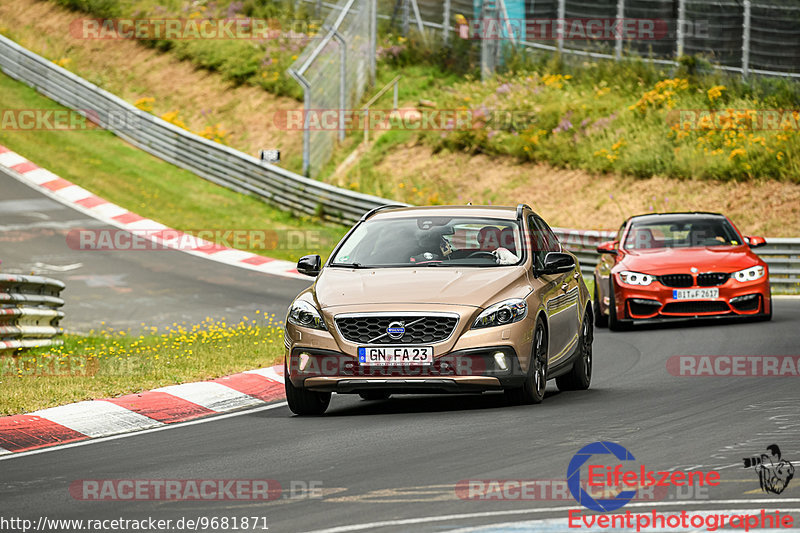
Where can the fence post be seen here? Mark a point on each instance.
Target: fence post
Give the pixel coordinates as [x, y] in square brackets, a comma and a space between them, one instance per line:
[406, 16]
[373, 39]
[681, 26]
[619, 27]
[746, 39]
[342, 81]
[562, 8]
[319, 8]
[420, 26]
[306, 131]
[446, 22]
[488, 58]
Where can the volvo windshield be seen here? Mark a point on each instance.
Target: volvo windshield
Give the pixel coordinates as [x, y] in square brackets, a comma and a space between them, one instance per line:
[432, 241]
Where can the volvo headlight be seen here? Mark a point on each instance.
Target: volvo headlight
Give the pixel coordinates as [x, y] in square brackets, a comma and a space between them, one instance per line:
[500, 314]
[636, 278]
[749, 274]
[303, 314]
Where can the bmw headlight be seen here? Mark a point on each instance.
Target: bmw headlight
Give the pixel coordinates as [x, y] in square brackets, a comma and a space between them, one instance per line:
[500, 314]
[303, 314]
[749, 274]
[636, 278]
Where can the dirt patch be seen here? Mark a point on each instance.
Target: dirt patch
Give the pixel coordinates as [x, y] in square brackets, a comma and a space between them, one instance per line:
[576, 199]
[132, 71]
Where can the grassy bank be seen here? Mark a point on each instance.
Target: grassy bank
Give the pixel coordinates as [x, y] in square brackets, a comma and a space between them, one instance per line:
[112, 169]
[109, 363]
[258, 57]
[636, 119]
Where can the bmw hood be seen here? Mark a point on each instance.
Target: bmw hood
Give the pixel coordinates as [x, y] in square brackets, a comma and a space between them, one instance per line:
[680, 260]
[477, 287]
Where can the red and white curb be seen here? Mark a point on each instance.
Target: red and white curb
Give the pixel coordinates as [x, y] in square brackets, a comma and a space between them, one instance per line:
[136, 412]
[79, 198]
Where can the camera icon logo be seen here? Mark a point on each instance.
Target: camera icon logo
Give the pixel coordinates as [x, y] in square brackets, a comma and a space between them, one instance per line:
[774, 472]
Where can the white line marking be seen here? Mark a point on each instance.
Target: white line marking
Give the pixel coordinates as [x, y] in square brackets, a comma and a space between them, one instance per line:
[145, 225]
[231, 255]
[3, 451]
[57, 268]
[214, 396]
[73, 193]
[97, 418]
[40, 175]
[10, 159]
[143, 432]
[487, 514]
[268, 373]
[108, 211]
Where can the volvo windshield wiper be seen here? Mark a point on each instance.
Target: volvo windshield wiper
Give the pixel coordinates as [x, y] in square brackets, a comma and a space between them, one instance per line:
[348, 265]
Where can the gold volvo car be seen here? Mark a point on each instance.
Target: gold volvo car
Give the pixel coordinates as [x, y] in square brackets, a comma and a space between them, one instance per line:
[446, 299]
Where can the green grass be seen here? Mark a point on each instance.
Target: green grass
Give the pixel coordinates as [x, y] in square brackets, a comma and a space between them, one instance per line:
[112, 169]
[105, 364]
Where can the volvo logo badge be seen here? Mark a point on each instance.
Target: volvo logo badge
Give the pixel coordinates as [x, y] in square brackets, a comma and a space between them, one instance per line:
[396, 330]
[694, 270]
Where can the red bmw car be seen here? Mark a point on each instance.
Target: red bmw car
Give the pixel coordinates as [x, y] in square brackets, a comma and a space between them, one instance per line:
[679, 266]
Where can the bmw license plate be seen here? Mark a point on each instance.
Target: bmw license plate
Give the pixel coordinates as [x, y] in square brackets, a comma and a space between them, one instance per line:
[695, 294]
[384, 355]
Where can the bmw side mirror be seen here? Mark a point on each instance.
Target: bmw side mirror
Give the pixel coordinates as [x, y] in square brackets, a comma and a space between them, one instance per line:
[310, 265]
[755, 242]
[558, 263]
[608, 247]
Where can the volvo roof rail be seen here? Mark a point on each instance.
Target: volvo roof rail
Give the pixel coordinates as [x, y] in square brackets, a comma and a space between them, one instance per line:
[379, 208]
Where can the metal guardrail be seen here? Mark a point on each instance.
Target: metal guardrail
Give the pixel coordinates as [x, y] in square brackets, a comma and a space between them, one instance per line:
[782, 255]
[28, 312]
[213, 161]
[238, 171]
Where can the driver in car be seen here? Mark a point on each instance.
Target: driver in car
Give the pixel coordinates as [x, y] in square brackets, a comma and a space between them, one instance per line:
[433, 246]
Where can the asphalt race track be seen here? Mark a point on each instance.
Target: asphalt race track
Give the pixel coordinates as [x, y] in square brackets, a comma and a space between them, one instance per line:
[125, 288]
[400, 459]
[394, 465]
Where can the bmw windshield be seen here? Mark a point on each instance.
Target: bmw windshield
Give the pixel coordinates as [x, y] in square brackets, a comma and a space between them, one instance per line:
[682, 234]
[432, 241]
